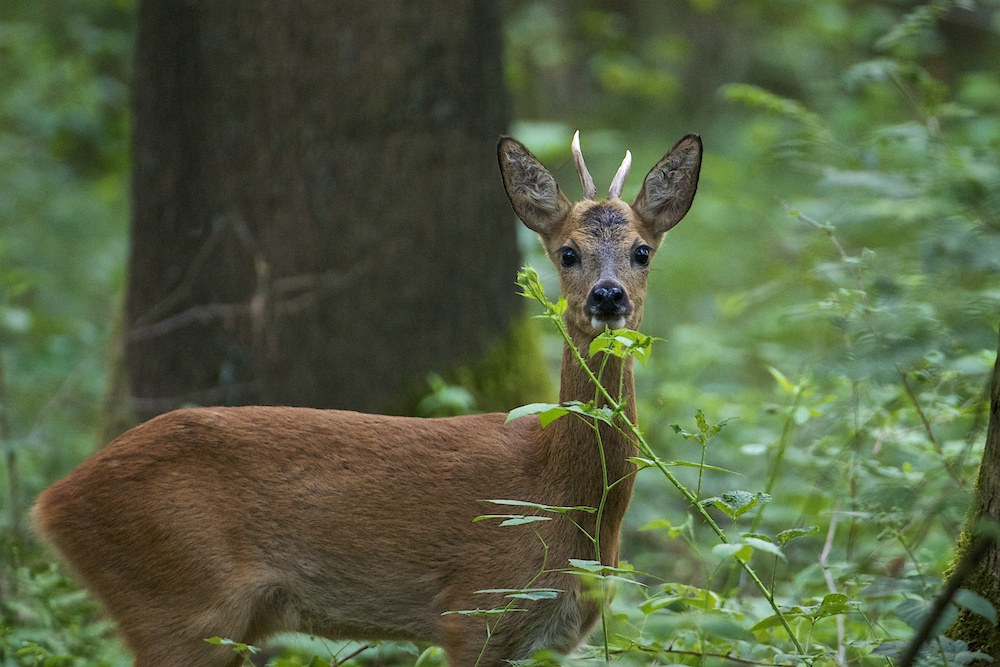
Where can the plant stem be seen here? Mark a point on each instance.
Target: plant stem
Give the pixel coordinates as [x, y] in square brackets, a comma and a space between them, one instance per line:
[647, 451]
[779, 456]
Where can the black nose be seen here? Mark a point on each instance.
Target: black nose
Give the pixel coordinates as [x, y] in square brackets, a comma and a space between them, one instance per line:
[608, 299]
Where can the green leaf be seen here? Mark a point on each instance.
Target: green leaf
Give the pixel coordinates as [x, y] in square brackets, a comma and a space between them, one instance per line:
[704, 466]
[586, 565]
[532, 288]
[692, 596]
[549, 412]
[496, 611]
[640, 462]
[621, 343]
[593, 568]
[734, 550]
[522, 520]
[432, 655]
[532, 409]
[604, 413]
[705, 432]
[833, 603]
[663, 524]
[524, 593]
[659, 602]
[786, 386]
[913, 611]
[237, 647]
[558, 509]
[512, 519]
[765, 546]
[772, 621]
[945, 651]
[736, 503]
[786, 536]
[976, 603]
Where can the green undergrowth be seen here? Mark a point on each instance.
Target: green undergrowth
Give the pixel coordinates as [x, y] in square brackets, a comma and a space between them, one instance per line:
[512, 372]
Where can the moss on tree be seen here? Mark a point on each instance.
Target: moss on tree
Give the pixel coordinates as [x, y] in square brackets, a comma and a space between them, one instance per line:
[976, 631]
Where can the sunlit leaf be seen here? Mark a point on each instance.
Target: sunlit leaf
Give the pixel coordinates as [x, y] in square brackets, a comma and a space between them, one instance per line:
[512, 519]
[558, 509]
[524, 593]
[786, 386]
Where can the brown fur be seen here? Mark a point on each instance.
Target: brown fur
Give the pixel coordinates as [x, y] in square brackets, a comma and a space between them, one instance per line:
[240, 522]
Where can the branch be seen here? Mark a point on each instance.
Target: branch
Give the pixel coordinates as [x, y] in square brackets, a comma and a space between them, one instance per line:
[970, 560]
[200, 313]
[352, 654]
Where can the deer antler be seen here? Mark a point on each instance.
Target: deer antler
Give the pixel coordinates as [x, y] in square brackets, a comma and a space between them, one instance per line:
[619, 180]
[581, 168]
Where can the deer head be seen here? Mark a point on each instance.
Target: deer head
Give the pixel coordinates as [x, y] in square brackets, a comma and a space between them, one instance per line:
[601, 249]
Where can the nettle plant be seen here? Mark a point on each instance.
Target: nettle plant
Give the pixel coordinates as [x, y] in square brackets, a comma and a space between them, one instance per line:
[655, 620]
[626, 633]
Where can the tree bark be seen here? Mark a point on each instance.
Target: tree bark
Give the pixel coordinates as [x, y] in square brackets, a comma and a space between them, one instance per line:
[985, 578]
[317, 214]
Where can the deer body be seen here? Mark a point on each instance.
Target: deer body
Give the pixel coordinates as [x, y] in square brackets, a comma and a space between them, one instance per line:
[242, 522]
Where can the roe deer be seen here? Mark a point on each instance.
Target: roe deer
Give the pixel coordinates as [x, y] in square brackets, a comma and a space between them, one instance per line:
[242, 522]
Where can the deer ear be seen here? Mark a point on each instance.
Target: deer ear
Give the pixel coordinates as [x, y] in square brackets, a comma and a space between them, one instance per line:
[669, 188]
[533, 193]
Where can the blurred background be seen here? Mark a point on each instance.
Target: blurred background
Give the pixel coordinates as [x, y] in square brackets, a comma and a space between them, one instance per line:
[300, 204]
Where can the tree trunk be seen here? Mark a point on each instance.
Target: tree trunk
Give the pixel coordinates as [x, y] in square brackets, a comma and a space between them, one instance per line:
[985, 578]
[317, 213]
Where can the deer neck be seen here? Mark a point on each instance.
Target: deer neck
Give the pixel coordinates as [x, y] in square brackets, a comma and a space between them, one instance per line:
[574, 450]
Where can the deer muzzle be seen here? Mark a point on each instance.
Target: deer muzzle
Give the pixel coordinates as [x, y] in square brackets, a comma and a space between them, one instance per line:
[608, 305]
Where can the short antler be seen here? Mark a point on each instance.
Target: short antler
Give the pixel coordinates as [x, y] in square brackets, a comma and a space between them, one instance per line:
[581, 168]
[619, 181]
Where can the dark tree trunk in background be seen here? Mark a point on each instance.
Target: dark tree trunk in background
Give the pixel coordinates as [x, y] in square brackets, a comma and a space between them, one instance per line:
[985, 578]
[318, 215]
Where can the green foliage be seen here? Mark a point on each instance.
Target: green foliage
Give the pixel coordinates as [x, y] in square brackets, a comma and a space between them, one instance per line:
[47, 621]
[64, 125]
[830, 308]
[511, 372]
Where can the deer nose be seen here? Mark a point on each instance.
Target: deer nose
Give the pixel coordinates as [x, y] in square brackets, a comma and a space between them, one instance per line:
[608, 300]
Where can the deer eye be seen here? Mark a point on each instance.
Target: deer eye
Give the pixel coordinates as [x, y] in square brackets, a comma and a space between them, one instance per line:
[568, 256]
[641, 255]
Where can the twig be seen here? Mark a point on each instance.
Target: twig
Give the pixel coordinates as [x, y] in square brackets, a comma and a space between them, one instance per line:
[188, 280]
[831, 586]
[969, 561]
[927, 424]
[352, 654]
[200, 313]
